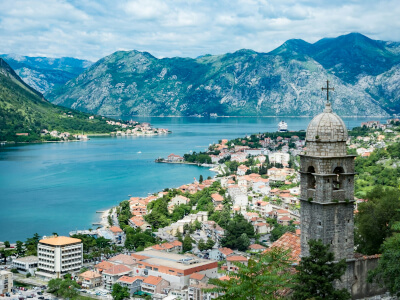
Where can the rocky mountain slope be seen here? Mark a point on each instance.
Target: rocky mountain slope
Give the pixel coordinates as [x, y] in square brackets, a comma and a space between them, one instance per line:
[286, 81]
[24, 110]
[44, 74]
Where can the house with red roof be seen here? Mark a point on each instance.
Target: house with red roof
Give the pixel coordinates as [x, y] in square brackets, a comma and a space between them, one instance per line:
[174, 158]
[154, 285]
[132, 283]
[256, 248]
[235, 259]
[217, 199]
[89, 279]
[111, 275]
[197, 278]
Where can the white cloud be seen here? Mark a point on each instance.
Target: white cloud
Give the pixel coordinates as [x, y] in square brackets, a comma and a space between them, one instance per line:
[94, 28]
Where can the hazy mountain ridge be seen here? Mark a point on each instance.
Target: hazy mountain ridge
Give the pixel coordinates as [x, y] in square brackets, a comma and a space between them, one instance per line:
[43, 73]
[286, 81]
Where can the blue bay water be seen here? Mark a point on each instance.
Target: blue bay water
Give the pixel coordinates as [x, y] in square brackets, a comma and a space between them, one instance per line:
[58, 187]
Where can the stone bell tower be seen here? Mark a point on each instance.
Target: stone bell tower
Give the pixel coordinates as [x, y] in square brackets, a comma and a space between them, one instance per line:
[327, 185]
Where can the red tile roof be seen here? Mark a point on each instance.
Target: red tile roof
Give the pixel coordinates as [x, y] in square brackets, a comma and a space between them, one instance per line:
[129, 279]
[225, 251]
[197, 276]
[289, 241]
[104, 265]
[115, 229]
[236, 258]
[257, 247]
[152, 280]
[117, 269]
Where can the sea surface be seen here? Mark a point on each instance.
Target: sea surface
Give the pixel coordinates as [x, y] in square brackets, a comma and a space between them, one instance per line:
[58, 187]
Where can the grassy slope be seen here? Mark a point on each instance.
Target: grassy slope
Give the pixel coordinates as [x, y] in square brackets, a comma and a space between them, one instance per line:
[22, 109]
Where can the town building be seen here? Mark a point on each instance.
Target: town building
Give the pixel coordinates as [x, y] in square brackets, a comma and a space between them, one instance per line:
[175, 268]
[25, 265]
[6, 282]
[154, 284]
[132, 283]
[111, 275]
[58, 256]
[90, 279]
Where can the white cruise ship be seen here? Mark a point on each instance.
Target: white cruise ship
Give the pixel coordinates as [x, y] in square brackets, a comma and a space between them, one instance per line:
[282, 126]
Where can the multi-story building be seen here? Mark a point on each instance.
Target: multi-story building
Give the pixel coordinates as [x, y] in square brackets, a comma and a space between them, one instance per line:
[175, 268]
[26, 264]
[6, 282]
[58, 256]
[111, 275]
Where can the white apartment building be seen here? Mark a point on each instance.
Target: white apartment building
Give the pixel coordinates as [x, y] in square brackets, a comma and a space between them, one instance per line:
[58, 256]
[26, 265]
[279, 157]
[6, 282]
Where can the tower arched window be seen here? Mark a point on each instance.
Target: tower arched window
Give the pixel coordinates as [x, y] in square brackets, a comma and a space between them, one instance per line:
[310, 178]
[338, 180]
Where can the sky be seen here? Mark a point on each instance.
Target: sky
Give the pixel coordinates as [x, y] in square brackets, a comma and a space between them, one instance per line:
[92, 29]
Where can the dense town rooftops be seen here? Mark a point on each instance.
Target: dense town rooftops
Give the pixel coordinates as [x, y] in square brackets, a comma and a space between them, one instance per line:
[59, 241]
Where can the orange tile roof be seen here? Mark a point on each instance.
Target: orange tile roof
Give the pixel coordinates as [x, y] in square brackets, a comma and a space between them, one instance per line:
[289, 241]
[285, 218]
[59, 241]
[115, 229]
[236, 258]
[129, 279]
[152, 280]
[139, 257]
[282, 211]
[90, 275]
[225, 251]
[256, 247]
[104, 265]
[217, 197]
[197, 276]
[176, 243]
[125, 259]
[117, 269]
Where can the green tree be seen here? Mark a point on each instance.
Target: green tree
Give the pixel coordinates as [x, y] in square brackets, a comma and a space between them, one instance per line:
[261, 279]
[187, 243]
[375, 219]
[19, 248]
[387, 273]
[119, 292]
[210, 243]
[66, 288]
[7, 244]
[202, 245]
[201, 179]
[316, 274]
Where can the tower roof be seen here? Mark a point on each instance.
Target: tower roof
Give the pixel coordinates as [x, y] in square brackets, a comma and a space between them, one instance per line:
[327, 127]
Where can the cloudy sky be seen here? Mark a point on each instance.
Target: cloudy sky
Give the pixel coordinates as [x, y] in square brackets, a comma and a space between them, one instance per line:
[91, 29]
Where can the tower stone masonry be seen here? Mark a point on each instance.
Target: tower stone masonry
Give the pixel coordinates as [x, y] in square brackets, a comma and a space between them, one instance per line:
[327, 186]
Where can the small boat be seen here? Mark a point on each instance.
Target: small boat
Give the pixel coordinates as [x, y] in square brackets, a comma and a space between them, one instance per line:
[139, 151]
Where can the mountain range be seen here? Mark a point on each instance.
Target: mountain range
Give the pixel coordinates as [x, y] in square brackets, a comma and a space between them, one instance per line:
[43, 73]
[284, 82]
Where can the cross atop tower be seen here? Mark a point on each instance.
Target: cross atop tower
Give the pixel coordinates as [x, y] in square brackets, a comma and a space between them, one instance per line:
[327, 90]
